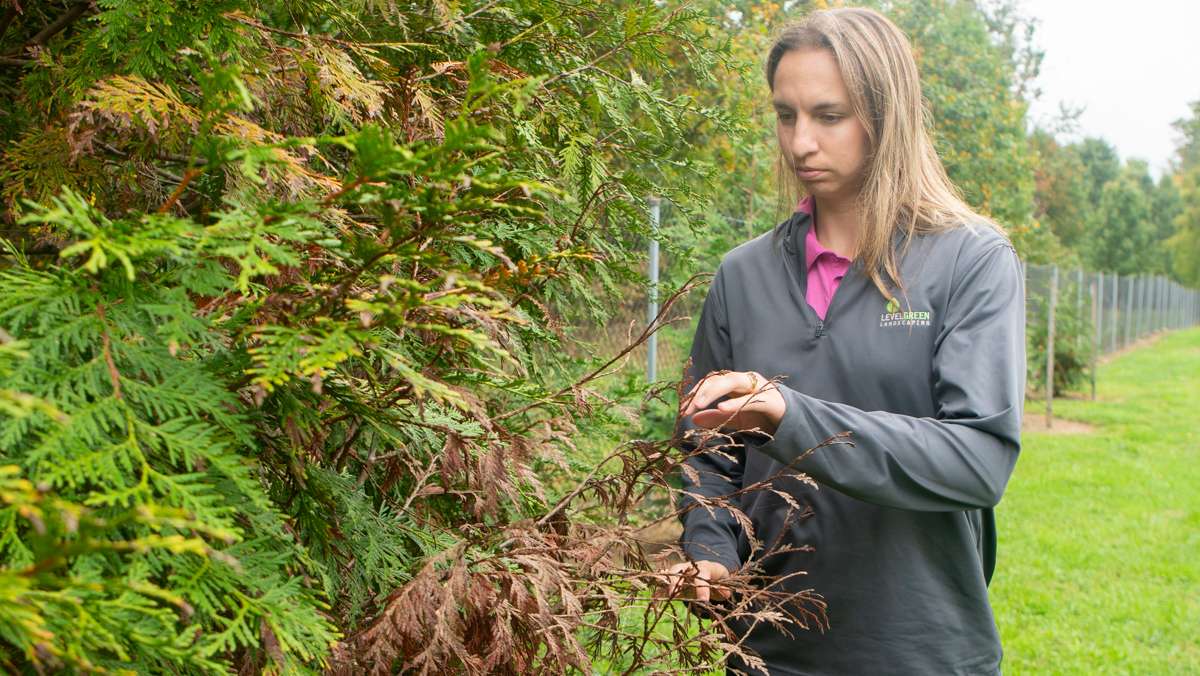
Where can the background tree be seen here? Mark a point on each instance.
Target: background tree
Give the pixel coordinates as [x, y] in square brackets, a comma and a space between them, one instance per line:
[1122, 238]
[975, 70]
[1185, 243]
[1166, 206]
[1101, 164]
[1061, 195]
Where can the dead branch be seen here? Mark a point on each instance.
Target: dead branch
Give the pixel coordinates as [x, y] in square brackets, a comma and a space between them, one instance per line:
[650, 329]
[60, 24]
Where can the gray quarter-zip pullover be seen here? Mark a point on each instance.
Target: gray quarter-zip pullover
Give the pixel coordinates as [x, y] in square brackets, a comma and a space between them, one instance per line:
[930, 387]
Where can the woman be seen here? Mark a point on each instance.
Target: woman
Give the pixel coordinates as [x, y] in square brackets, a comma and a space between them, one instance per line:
[886, 308]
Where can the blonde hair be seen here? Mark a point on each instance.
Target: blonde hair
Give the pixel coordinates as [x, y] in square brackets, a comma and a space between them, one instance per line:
[905, 188]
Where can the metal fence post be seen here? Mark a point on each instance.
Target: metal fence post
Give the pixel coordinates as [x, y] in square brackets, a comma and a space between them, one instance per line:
[1172, 311]
[1164, 313]
[1168, 306]
[652, 308]
[1174, 305]
[1180, 299]
[1128, 310]
[1179, 305]
[1152, 305]
[1116, 306]
[1079, 306]
[1164, 316]
[1151, 283]
[1097, 322]
[1139, 303]
[1141, 307]
[1149, 303]
[1164, 294]
[1176, 296]
[1158, 303]
[1050, 347]
[1164, 304]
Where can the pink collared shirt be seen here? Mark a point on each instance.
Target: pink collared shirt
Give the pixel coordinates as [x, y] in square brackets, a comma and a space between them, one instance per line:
[825, 268]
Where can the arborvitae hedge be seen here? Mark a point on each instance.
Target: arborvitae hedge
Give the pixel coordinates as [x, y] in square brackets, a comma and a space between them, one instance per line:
[282, 296]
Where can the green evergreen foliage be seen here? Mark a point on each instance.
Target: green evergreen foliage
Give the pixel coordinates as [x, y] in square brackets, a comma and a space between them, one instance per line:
[283, 299]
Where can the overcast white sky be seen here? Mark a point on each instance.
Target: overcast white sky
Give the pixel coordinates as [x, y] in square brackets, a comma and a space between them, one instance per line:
[1134, 66]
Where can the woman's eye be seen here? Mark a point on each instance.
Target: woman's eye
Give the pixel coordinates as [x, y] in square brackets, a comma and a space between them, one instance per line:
[786, 118]
[831, 119]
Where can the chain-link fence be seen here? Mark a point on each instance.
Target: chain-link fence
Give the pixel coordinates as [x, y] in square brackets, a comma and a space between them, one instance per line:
[1073, 318]
[1119, 309]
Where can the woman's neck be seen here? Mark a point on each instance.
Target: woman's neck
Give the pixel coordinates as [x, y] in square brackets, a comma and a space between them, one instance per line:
[837, 226]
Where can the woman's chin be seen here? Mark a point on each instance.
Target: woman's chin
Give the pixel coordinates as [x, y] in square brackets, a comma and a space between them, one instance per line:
[827, 190]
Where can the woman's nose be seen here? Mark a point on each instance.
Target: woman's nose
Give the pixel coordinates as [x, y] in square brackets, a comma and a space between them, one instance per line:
[803, 142]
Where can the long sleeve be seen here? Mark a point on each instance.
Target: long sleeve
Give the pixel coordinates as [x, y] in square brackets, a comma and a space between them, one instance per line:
[959, 459]
[711, 536]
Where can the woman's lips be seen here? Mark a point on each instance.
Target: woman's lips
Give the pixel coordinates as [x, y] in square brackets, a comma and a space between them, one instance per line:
[809, 174]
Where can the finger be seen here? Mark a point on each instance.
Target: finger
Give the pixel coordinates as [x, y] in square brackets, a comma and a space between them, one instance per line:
[720, 592]
[700, 394]
[672, 576]
[678, 575]
[728, 412]
[700, 588]
[713, 388]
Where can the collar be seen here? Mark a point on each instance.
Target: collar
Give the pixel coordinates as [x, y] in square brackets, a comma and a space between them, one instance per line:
[813, 250]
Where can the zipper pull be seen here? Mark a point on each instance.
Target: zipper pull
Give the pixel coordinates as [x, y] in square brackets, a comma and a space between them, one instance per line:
[820, 328]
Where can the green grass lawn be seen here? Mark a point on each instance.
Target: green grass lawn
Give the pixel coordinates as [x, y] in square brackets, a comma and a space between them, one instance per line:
[1099, 568]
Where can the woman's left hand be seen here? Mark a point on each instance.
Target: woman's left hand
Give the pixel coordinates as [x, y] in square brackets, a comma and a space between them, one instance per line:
[754, 402]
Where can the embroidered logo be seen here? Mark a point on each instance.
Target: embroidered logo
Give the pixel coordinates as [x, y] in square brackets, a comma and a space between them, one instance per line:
[893, 316]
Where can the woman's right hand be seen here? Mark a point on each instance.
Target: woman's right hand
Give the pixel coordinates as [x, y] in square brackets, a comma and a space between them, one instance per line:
[697, 580]
[753, 402]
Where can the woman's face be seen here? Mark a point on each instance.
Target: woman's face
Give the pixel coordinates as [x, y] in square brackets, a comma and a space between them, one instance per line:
[819, 135]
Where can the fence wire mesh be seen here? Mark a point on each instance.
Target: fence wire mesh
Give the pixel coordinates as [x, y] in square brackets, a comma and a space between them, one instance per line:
[1118, 309]
[1095, 314]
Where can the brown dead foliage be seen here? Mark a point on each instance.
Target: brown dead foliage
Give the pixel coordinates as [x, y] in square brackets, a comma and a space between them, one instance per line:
[546, 596]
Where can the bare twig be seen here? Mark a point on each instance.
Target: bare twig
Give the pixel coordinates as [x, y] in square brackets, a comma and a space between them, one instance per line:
[446, 24]
[53, 28]
[653, 326]
[106, 346]
[7, 19]
[191, 173]
[241, 18]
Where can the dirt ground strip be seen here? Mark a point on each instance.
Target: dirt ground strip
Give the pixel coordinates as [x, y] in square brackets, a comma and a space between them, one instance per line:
[1035, 421]
[1137, 344]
